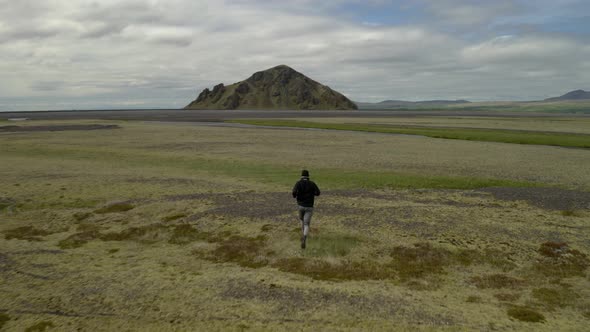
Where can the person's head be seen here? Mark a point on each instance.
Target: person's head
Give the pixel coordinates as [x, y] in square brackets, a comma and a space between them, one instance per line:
[305, 173]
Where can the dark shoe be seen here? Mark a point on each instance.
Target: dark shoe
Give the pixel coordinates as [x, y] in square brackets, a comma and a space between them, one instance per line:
[303, 238]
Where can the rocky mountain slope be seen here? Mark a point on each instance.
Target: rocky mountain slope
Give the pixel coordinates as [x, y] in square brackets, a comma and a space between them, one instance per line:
[279, 87]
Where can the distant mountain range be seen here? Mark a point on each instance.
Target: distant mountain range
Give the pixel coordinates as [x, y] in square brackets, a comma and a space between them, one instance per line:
[408, 104]
[572, 95]
[278, 88]
[393, 104]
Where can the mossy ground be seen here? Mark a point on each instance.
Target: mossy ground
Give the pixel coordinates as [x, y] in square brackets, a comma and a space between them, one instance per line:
[151, 240]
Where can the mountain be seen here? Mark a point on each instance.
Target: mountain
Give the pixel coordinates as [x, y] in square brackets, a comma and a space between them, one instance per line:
[279, 87]
[572, 95]
[389, 104]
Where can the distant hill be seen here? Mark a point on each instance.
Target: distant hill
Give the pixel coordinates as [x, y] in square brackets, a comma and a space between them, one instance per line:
[280, 87]
[572, 95]
[390, 104]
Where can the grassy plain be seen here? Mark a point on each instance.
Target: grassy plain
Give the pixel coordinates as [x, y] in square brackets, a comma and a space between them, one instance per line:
[168, 226]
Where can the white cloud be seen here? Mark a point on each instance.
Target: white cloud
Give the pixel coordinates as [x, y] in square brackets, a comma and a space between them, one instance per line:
[506, 49]
[467, 12]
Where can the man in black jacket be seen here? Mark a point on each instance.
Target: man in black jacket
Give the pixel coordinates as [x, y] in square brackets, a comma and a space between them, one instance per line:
[305, 191]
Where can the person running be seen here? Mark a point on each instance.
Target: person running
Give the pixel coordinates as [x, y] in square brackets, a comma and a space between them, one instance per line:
[305, 191]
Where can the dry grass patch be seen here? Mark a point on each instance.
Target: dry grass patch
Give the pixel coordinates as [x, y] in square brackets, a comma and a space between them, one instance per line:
[418, 261]
[148, 233]
[178, 234]
[507, 297]
[525, 314]
[267, 227]
[245, 251]
[6, 203]
[344, 270]
[40, 327]
[174, 217]
[571, 213]
[497, 281]
[555, 297]
[185, 233]
[115, 207]
[418, 267]
[493, 257]
[335, 245]
[80, 216]
[411, 265]
[4, 318]
[28, 233]
[79, 239]
[88, 226]
[559, 260]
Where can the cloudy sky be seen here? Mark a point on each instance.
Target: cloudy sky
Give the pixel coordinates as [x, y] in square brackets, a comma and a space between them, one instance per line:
[77, 54]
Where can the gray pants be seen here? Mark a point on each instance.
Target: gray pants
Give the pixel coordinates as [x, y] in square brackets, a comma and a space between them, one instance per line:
[305, 214]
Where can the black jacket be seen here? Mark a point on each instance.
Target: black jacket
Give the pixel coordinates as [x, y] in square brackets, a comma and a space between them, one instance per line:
[305, 191]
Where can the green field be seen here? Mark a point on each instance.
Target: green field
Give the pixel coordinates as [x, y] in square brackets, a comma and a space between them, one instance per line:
[470, 134]
[170, 226]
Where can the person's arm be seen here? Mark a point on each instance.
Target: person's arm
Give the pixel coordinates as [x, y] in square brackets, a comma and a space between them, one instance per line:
[295, 190]
[317, 190]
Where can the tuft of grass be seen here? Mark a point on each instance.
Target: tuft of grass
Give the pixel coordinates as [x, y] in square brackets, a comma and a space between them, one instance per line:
[114, 250]
[115, 207]
[331, 245]
[428, 283]
[492, 257]
[496, 281]
[525, 314]
[179, 234]
[418, 261]
[345, 270]
[553, 249]
[174, 217]
[40, 327]
[6, 203]
[470, 134]
[559, 260]
[568, 213]
[507, 297]
[269, 227]
[79, 239]
[498, 259]
[148, 233]
[473, 299]
[555, 298]
[28, 233]
[4, 318]
[245, 251]
[183, 234]
[88, 226]
[79, 216]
